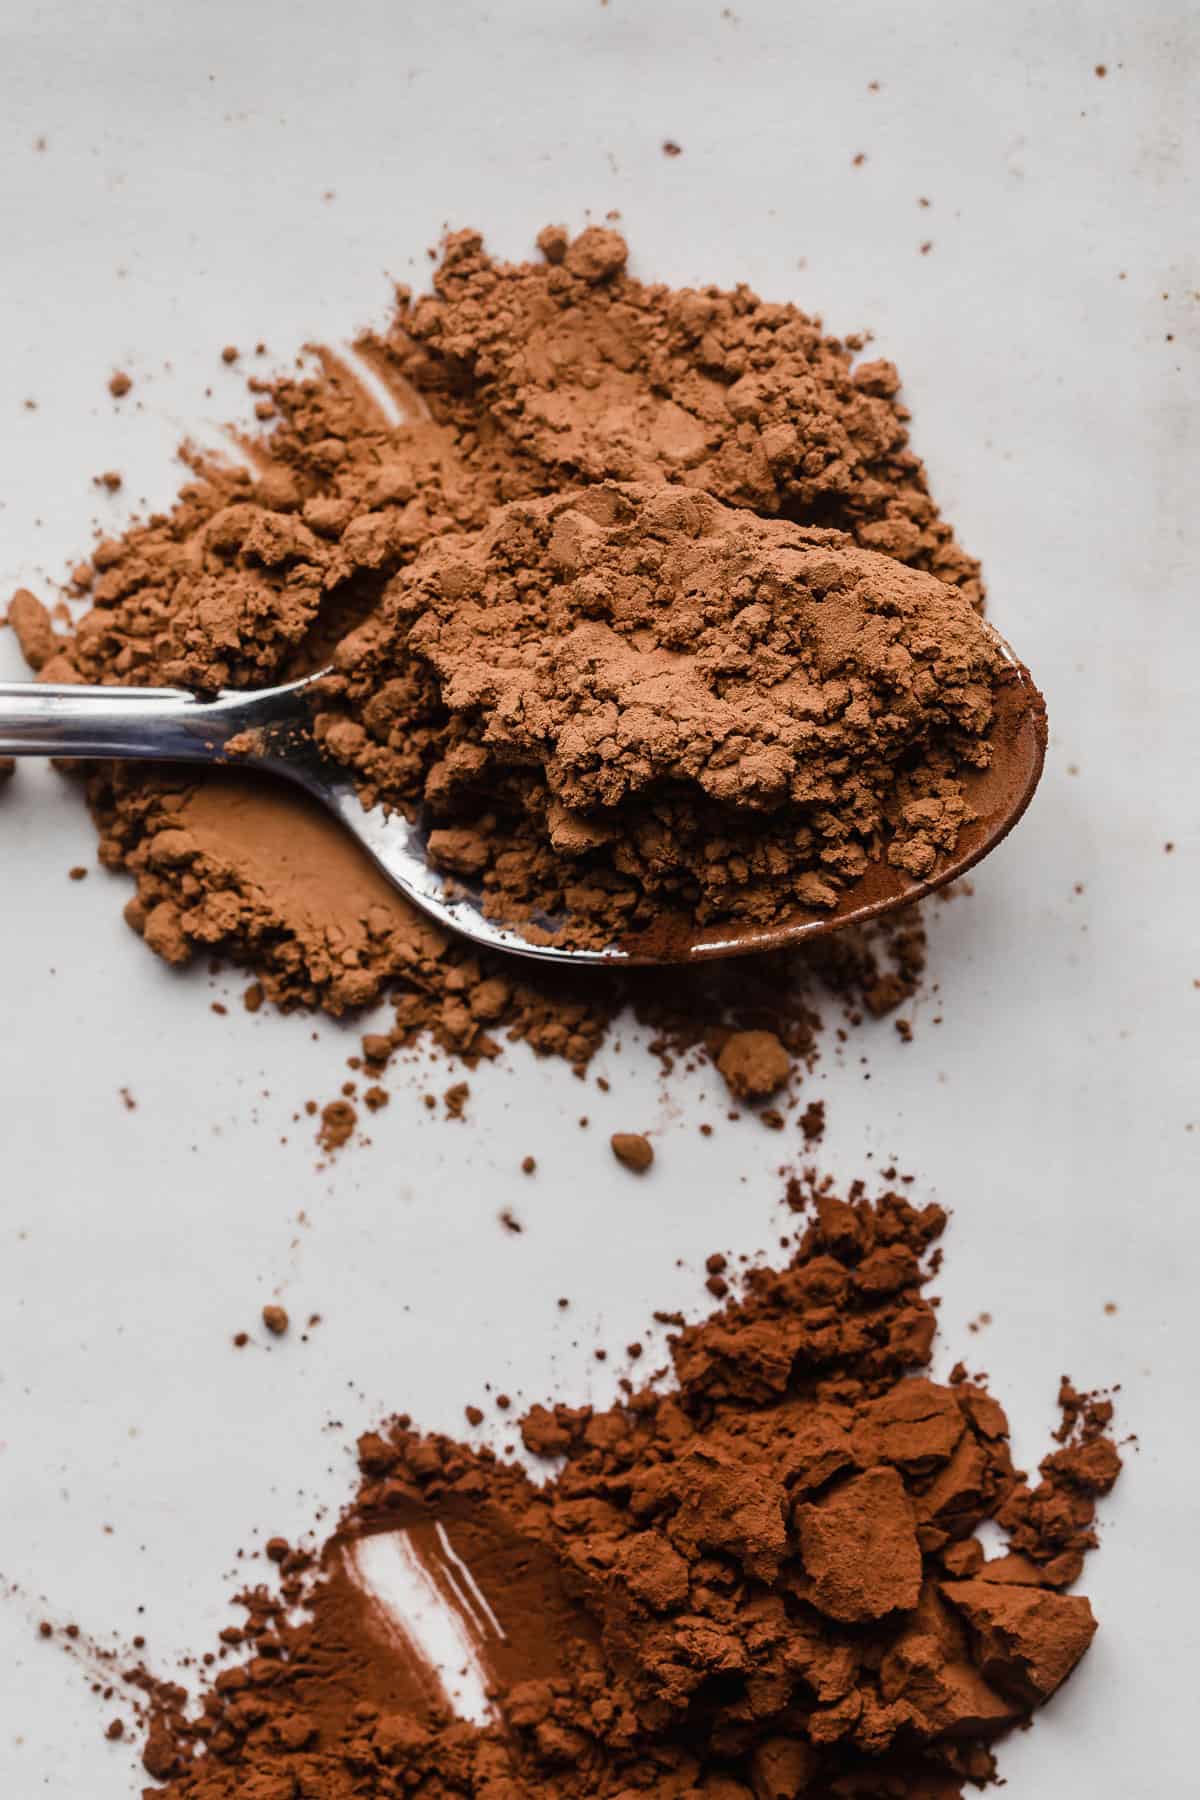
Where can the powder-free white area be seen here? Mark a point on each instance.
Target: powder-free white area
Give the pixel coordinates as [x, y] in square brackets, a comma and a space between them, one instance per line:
[390, 1571]
[1049, 341]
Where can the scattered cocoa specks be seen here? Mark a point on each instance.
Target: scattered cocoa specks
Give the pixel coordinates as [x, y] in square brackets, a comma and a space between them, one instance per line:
[78, 873]
[276, 1320]
[111, 481]
[119, 384]
[528, 1164]
[474, 1415]
[114, 1730]
[857, 162]
[510, 1221]
[253, 997]
[240, 1339]
[219, 1007]
[503, 1402]
[1101, 70]
[632, 1150]
[904, 1030]
[1110, 1307]
[127, 1100]
[926, 247]
[375, 1097]
[455, 1099]
[671, 148]
[338, 1120]
[229, 354]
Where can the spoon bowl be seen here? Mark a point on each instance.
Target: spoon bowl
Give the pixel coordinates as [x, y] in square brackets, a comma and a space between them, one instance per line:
[271, 729]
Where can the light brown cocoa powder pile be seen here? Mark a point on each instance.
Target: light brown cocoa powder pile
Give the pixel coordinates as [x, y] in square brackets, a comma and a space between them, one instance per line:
[519, 382]
[642, 698]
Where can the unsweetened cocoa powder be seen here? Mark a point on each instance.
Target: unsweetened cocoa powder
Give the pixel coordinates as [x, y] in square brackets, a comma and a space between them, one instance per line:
[632, 697]
[521, 384]
[758, 1581]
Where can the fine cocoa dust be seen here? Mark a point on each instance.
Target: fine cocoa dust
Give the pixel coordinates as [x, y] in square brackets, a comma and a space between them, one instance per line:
[520, 383]
[759, 1581]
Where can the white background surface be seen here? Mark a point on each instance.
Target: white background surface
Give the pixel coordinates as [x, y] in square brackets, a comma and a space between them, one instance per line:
[179, 203]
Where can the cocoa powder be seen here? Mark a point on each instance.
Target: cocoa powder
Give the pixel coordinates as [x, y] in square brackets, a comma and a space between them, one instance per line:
[518, 382]
[633, 696]
[760, 1580]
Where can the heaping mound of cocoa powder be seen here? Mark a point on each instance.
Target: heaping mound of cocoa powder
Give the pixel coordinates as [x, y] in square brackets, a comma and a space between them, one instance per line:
[518, 382]
[644, 698]
[759, 1582]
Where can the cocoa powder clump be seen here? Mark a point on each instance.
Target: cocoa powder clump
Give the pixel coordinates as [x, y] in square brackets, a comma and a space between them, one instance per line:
[632, 1150]
[634, 696]
[761, 1579]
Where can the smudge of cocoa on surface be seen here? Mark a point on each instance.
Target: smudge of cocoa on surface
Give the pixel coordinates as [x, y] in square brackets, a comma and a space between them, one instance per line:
[763, 1572]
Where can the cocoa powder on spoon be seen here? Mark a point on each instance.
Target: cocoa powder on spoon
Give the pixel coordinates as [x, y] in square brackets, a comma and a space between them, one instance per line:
[519, 382]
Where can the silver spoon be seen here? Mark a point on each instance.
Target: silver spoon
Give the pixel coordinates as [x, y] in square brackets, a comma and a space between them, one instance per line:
[274, 729]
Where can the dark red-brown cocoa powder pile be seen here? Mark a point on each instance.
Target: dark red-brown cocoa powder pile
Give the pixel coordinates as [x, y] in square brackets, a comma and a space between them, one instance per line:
[518, 382]
[759, 1581]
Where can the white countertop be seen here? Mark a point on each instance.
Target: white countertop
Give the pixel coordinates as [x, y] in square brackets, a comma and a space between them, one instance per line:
[179, 204]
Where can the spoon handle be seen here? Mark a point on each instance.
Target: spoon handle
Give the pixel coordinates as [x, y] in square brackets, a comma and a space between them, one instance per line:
[157, 724]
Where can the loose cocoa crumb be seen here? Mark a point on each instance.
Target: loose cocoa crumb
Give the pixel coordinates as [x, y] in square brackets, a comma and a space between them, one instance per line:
[670, 148]
[510, 1222]
[455, 1099]
[528, 1164]
[119, 384]
[633, 1150]
[78, 873]
[338, 1121]
[33, 629]
[275, 1319]
[754, 1064]
[812, 1121]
